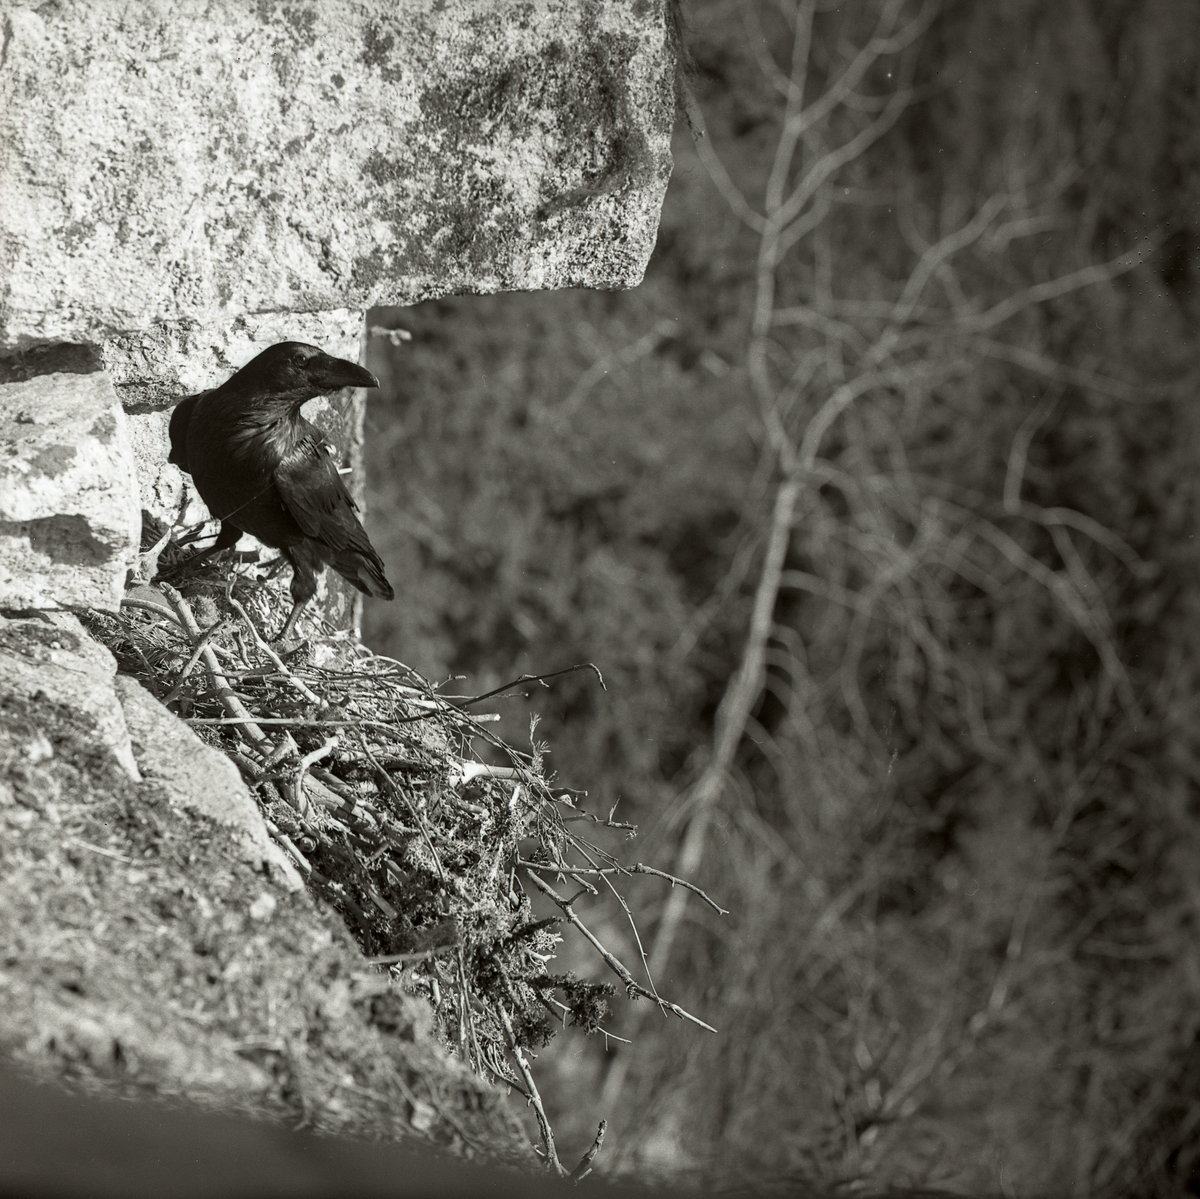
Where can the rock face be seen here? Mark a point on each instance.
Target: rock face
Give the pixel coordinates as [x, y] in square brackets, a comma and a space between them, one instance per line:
[166, 161]
[182, 185]
[198, 777]
[69, 516]
[146, 956]
[48, 657]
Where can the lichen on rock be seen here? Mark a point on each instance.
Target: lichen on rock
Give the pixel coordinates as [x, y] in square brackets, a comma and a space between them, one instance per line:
[69, 517]
[165, 162]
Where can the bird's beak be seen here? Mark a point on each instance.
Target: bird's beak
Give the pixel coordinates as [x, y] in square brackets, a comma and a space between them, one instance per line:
[332, 374]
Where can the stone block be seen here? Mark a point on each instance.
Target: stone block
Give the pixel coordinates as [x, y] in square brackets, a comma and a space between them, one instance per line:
[167, 161]
[69, 513]
[51, 655]
[198, 777]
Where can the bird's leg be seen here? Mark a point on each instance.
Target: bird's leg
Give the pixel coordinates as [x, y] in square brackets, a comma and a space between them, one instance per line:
[303, 588]
[227, 538]
[294, 616]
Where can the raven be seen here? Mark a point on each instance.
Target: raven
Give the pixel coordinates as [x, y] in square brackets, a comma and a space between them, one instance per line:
[263, 469]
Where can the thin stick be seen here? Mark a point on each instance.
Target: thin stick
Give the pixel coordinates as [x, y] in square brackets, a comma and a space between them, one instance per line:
[546, 1001]
[388, 781]
[190, 665]
[301, 722]
[584, 1168]
[229, 700]
[393, 959]
[289, 845]
[531, 1093]
[304, 690]
[637, 936]
[638, 869]
[534, 678]
[296, 721]
[631, 984]
[464, 772]
[157, 609]
[108, 853]
[466, 1007]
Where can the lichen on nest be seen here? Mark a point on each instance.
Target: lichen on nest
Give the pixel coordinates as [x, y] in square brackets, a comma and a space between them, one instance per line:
[366, 776]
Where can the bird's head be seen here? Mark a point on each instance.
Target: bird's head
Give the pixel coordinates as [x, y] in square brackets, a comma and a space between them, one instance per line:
[293, 371]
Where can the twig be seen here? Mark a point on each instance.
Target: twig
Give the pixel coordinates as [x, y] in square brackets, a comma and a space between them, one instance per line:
[108, 853]
[1053, 288]
[1040, 364]
[679, 882]
[397, 792]
[1018, 453]
[289, 845]
[939, 252]
[466, 1009]
[584, 1168]
[533, 678]
[229, 700]
[631, 984]
[637, 936]
[157, 609]
[548, 1000]
[300, 722]
[265, 648]
[558, 868]
[190, 665]
[531, 1093]
[296, 781]
[464, 772]
[392, 959]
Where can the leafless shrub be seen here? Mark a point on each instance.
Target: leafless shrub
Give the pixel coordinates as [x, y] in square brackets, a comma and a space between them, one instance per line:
[902, 593]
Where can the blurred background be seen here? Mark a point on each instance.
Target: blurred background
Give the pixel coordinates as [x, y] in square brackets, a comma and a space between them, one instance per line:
[875, 505]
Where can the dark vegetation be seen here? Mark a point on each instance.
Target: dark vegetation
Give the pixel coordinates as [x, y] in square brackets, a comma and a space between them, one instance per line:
[947, 781]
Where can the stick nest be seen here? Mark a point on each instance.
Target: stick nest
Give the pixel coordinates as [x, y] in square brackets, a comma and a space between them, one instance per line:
[367, 778]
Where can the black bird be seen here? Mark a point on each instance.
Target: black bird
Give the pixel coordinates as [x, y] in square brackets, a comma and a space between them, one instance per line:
[263, 469]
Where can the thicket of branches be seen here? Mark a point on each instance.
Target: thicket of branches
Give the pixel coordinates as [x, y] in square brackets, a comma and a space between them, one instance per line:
[873, 503]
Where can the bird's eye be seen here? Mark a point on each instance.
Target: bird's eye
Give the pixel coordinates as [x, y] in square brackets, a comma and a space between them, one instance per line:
[299, 358]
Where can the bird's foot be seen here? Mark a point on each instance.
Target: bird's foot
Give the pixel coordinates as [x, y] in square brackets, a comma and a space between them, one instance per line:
[290, 625]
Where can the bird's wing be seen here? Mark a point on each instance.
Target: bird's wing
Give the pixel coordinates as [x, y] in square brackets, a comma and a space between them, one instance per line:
[314, 494]
[180, 419]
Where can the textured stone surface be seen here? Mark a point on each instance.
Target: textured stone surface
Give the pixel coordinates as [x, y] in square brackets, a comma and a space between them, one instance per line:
[168, 161]
[69, 519]
[143, 958]
[198, 777]
[50, 655]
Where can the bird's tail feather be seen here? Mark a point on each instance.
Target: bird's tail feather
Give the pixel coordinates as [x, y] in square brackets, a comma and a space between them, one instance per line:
[364, 572]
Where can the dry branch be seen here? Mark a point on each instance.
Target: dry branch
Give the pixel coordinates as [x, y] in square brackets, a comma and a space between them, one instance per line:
[631, 984]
